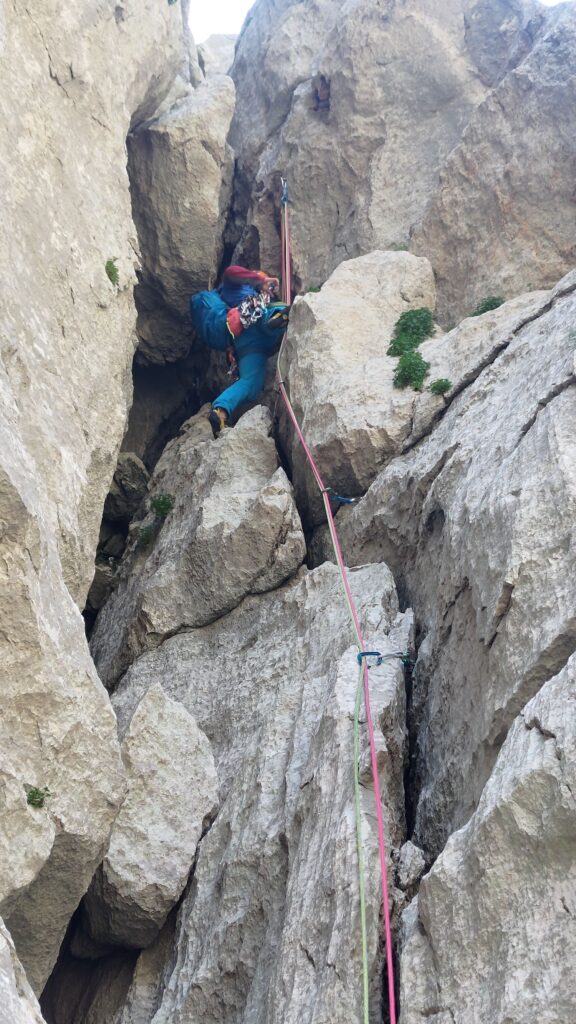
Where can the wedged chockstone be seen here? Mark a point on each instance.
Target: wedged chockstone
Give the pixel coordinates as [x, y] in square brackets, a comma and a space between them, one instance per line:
[234, 530]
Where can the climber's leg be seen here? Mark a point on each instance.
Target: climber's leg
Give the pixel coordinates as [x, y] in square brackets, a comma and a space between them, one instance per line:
[252, 370]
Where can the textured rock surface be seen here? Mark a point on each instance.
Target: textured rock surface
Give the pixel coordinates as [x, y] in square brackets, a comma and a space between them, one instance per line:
[234, 531]
[216, 54]
[72, 80]
[491, 938]
[181, 173]
[339, 376]
[172, 792]
[18, 1003]
[57, 729]
[504, 219]
[411, 865]
[82, 78]
[369, 96]
[127, 489]
[341, 379]
[478, 520]
[269, 927]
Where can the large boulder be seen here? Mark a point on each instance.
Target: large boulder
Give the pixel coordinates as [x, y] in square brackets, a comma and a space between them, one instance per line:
[504, 218]
[181, 173]
[73, 79]
[340, 378]
[491, 936]
[477, 521]
[369, 97]
[172, 794]
[233, 530]
[269, 927]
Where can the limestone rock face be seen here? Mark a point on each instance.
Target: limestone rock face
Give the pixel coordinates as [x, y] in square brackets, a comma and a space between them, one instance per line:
[341, 379]
[491, 936]
[477, 520]
[73, 78]
[172, 792]
[269, 927]
[82, 78]
[504, 219]
[369, 97]
[234, 530]
[18, 1003]
[181, 170]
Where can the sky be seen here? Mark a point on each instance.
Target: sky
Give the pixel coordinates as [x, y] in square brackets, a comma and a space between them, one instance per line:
[209, 16]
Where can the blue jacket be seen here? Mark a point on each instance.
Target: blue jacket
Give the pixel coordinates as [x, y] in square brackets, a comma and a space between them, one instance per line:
[209, 313]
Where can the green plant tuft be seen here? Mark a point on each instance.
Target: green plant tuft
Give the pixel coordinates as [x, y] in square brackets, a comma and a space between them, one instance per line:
[491, 302]
[146, 534]
[410, 330]
[396, 247]
[314, 290]
[440, 386]
[411, 371]
[112, 270]
[35, 797]
[162, 504]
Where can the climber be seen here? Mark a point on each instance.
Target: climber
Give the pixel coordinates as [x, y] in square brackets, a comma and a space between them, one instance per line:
[242, 319]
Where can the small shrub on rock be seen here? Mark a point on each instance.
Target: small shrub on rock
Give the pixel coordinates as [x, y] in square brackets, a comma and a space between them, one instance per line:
[492, 302]
[162, 504]
[410, 330]
[112, 270]
[35, 797]
[146, 534]
[440, 386]
[411, 371]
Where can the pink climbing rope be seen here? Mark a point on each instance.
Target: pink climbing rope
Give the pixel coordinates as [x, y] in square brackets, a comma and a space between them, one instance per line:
[287, 296]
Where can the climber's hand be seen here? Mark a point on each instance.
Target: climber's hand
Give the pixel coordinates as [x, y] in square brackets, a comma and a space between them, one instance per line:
[271, 287]
[277, 317]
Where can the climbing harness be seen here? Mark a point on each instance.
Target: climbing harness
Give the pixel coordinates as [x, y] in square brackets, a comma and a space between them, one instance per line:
[363, 677]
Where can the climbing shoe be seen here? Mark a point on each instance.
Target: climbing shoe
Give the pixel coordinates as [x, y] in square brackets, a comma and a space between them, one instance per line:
[218, 419]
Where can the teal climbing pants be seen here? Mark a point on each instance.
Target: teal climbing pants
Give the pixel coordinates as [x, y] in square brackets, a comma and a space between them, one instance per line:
[252, 370]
